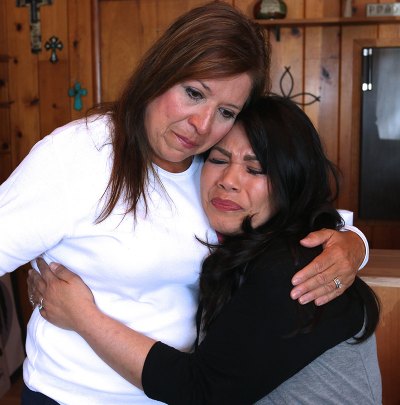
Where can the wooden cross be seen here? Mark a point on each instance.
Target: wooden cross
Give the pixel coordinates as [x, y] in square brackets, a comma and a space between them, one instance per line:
[77, 92]
[34, 12]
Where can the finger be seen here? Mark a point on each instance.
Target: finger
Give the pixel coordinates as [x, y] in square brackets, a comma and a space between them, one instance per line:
[317, 238]
[61, 272]
[36, 287]
[44, 268]
[322, 294]
[317, 266]
[320, 280]
[30, 282]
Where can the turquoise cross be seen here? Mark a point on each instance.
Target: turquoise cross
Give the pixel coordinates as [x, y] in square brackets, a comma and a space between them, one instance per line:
[77, 92]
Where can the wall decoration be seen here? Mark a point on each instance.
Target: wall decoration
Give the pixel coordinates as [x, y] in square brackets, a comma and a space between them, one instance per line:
[266, 9]
[77, 92]
[288, 77]
[34, 12]
[53, 44]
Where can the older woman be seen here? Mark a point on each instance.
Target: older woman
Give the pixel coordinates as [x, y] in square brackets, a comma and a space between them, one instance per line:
[115, 198]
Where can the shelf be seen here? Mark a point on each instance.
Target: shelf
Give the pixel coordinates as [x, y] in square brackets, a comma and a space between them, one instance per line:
[313, 22]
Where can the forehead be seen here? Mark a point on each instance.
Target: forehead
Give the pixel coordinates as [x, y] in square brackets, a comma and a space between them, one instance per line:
[236, 140]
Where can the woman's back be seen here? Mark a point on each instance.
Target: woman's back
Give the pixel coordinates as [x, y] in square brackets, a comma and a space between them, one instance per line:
[346, 374]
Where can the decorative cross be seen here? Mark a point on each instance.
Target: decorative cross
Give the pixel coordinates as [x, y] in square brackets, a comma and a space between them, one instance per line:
[53, 44]
[34, 13]
[77, 92]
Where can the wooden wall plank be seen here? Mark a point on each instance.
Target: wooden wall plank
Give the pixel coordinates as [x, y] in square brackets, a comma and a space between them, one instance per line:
[321, 78]
[23, 90]
[5, 166]
[53, 78]
[5, 137]
[123, 34]
[288, 51]
[54, 100]
[80, 43]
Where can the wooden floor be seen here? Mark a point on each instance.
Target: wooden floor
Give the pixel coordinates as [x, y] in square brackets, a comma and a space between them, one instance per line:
[13, 396]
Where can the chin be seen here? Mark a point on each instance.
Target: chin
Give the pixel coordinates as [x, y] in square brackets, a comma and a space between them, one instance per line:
[227, 230]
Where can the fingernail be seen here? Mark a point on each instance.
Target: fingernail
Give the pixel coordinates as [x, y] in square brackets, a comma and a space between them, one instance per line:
[296, 280]
[295, 294]
[304, 300]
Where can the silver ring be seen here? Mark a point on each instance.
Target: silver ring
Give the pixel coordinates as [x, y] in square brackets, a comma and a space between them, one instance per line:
[337, 282]
[32, 301]
[41, 305]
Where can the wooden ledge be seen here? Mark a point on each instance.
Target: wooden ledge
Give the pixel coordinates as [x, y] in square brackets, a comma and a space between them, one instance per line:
[383, 268]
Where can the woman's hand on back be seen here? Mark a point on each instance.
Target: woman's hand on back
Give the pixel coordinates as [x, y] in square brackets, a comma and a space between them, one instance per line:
[65, 299]
[341, 258]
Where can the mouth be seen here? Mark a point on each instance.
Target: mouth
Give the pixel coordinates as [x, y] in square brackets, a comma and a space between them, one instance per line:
[185, 142]
[225, 205]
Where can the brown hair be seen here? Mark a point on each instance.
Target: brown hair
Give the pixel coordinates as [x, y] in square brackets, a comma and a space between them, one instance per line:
[208, 42]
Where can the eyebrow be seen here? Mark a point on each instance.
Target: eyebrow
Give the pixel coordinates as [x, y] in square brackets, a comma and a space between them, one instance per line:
[210, 91]
[247, 158]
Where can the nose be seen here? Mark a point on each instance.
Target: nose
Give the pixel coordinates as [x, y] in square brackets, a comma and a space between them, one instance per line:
[202, 120]
[230, 179]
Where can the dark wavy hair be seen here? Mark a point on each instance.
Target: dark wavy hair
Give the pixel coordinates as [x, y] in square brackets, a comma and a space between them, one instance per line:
[208, 42]
[303, 185]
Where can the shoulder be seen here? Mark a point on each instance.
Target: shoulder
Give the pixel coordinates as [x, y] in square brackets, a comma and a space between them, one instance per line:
[93, 132]
[281, 259]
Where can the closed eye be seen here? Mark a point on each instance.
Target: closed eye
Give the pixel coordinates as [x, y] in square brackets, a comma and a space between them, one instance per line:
[217, 161]
[253, 171]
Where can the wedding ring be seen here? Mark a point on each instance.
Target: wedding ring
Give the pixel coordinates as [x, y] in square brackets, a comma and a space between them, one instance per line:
[337, 282]
[41, 305]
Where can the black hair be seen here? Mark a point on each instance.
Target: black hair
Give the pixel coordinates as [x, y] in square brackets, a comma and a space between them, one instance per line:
[303, 184]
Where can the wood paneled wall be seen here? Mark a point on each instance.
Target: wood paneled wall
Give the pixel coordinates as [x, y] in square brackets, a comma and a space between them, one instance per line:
[104, 39]
[37, 90]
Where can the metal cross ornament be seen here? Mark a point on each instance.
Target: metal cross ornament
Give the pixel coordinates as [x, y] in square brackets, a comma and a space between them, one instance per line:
[34, 12]
[53, 44]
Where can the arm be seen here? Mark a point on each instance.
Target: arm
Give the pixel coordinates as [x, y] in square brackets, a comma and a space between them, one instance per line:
[242, 358]
[343, 254]
[69, 304]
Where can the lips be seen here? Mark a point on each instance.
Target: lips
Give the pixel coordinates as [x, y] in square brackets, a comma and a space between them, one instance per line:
[187, 143]
[225, 205]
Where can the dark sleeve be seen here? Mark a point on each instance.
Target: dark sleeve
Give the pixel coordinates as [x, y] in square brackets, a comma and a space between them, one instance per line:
[247, 352]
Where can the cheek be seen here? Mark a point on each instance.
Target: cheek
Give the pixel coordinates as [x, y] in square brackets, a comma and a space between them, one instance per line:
[205, 185]
[261, 199]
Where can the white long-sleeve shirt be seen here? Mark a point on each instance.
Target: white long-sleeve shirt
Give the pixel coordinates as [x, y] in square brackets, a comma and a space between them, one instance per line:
[144, 274]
